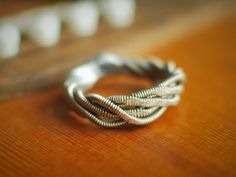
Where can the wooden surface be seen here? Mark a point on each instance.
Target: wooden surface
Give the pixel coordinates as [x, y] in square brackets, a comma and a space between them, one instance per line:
[157, 23]
[39, 136]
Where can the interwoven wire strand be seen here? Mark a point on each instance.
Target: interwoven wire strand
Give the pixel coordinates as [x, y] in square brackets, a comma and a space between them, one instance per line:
[139, 108]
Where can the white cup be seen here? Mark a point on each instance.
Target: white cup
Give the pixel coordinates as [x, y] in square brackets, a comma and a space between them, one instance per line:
[119, 13]
[43, 28]
[9, 40]
[81, 17]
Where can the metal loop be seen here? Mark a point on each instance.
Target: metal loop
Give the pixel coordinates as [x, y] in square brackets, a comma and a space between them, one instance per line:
[139, 108]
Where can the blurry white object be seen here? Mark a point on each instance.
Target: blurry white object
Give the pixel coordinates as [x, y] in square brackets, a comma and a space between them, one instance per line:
[44, 28]
[43, 25]
[9, 40]
[81, 17]
[119, 13]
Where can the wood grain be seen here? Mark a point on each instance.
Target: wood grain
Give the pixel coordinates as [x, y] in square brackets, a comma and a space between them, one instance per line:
[157, 23]
[39, 136]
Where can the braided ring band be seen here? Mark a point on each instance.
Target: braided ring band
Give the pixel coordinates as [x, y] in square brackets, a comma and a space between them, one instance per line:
[139, 108]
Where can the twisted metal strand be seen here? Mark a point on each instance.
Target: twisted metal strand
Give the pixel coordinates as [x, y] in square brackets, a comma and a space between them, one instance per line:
[144, 102]
[139, 108]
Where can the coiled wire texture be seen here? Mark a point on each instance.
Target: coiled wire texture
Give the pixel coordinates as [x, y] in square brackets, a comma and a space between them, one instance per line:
[139, 108]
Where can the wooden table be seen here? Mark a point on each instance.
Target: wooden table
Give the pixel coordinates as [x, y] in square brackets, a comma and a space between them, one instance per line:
[40, 136]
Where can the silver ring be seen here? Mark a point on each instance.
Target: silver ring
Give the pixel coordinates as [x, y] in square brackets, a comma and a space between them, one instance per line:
[139, 108]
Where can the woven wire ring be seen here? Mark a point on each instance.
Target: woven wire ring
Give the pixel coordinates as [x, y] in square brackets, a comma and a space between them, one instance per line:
[139, 108]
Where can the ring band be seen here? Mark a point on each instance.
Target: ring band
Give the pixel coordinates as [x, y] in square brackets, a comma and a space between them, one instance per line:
[139, 108]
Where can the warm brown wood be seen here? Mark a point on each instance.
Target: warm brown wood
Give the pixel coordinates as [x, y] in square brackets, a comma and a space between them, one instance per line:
[10, 7]
[156, 23]
[40, 137]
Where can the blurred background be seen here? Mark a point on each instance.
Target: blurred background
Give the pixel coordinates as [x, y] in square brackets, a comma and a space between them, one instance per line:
[43, 40]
